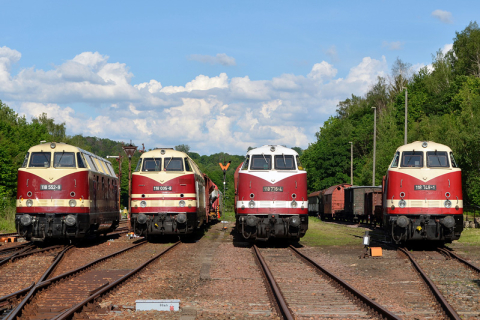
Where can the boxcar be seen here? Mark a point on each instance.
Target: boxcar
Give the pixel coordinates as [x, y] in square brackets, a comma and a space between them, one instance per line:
[333, 201]
[373, 206]
[315, 203]
[355, 202]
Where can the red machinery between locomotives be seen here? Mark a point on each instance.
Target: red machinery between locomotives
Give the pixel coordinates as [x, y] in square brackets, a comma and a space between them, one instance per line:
[422, 194]
[271, 194]
[170, 195]
[65, 192]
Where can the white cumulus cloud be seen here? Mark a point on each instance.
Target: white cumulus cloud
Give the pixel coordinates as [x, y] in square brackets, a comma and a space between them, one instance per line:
[443, 16]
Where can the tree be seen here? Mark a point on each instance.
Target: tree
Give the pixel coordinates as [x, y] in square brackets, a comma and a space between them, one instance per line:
[183, 148]
[56, 131]
[465, 54]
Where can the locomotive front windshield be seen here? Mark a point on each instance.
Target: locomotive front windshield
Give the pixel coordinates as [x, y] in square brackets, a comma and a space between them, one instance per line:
[64, 160]
[152, 164]
[40, 160]
[412, 159]
[284, 162]
[173, 164]
[261, 162]
[437, 159]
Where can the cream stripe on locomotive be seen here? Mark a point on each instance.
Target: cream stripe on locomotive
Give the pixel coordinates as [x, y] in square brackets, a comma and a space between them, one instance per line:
[165, 203]
[54, 202]
[163, 195]
[422, 203]
[272, 204]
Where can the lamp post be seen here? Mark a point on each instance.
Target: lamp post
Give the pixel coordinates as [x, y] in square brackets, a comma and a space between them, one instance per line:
[129, 150]
[374, 141]
[406, 115]
[119, 160]
[351, 163]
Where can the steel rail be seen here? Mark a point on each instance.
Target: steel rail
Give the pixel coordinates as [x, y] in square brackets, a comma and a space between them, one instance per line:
[67, 314]
[18, 310]
[458, 258]
[448, 309]
[16, 247]
[357, 294]
[13, 255]
[18, 256]
[277, 293]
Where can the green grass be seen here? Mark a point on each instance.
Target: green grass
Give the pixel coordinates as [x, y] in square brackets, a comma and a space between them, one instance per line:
[470, 237]
[7, 219]
[228, 216]
[320, 233]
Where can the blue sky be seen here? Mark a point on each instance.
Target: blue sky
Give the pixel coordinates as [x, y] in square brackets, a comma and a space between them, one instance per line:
[219, 76]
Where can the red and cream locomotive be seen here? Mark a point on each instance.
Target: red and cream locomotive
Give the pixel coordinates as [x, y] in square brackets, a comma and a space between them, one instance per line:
[422, 194]
[170, 194]
[65, 192]
[271, 194]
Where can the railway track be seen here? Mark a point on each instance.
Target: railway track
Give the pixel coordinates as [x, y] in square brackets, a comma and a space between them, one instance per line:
[50, 297]
[301, 288]
[448, 310]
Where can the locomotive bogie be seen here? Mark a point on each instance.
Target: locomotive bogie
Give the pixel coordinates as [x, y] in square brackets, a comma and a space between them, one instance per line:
[64, 192]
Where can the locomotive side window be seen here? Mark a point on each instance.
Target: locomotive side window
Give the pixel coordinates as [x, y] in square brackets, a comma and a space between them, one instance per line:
[187, 166]
[111, 169]
[40, 160]
[395, 160]
[437, 159]
[412, 159]
[283, 162]
[299, 164]
[25, 161]
[261, 162]
[90, 162]
[173, 164]
[80, 162]
[64, 160]
[139, 165]
[245, 163]
[152, 164]
[99, 165]
[452, 159]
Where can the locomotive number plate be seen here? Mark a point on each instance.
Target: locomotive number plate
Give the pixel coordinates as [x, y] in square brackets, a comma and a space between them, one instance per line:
[426, 187]
[50, 187]
[162, 188]
[272, 189]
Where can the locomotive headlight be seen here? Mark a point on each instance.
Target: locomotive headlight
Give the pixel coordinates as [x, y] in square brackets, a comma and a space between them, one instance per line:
[72, 202]
[181, 203]
[447, 203]
[141, 218]
[70, 220]
[294, 204]
[402, 203]
[251, 204]
[26, 220]
[143, 203]
[29, 202]
[181, 218]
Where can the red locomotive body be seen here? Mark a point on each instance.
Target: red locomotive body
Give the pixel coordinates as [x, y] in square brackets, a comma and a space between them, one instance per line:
[271, 194]
[65, 192]
[423, 194]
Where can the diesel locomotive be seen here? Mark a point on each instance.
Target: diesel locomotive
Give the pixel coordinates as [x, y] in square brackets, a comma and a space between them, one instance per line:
[64, 192]
[271, 194]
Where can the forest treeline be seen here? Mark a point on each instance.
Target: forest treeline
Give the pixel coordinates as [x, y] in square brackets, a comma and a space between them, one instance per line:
[443, 106]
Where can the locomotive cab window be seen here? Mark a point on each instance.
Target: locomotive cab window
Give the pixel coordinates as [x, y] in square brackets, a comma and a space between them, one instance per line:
[187, 166]
[25, 161]
[64, 160]
[412, 159]
[245, 163]
[261, 162]
[90, 162]
[299, 164]
[452, 159]
[139, 165]
[40, 160]
[173, 164]
[284, 162]
[80, 162]
[152, 164]
[395, 160]
[437, 159]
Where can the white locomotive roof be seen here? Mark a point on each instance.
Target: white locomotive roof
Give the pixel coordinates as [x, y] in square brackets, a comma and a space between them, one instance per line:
[418, 146]
[61, 146]
[157, 153]
[277, 149]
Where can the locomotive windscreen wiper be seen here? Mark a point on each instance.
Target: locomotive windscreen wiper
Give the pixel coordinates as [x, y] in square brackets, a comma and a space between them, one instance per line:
[264, 158]
[284, 163]
[59, 160]
[168, 163]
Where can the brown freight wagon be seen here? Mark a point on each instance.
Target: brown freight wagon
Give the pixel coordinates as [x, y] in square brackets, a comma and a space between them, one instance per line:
[373, 206]
[333, 201]
[355, 202]
[315, 203]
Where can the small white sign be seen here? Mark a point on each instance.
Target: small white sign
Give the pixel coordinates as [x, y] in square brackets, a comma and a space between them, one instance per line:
[159, 305]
